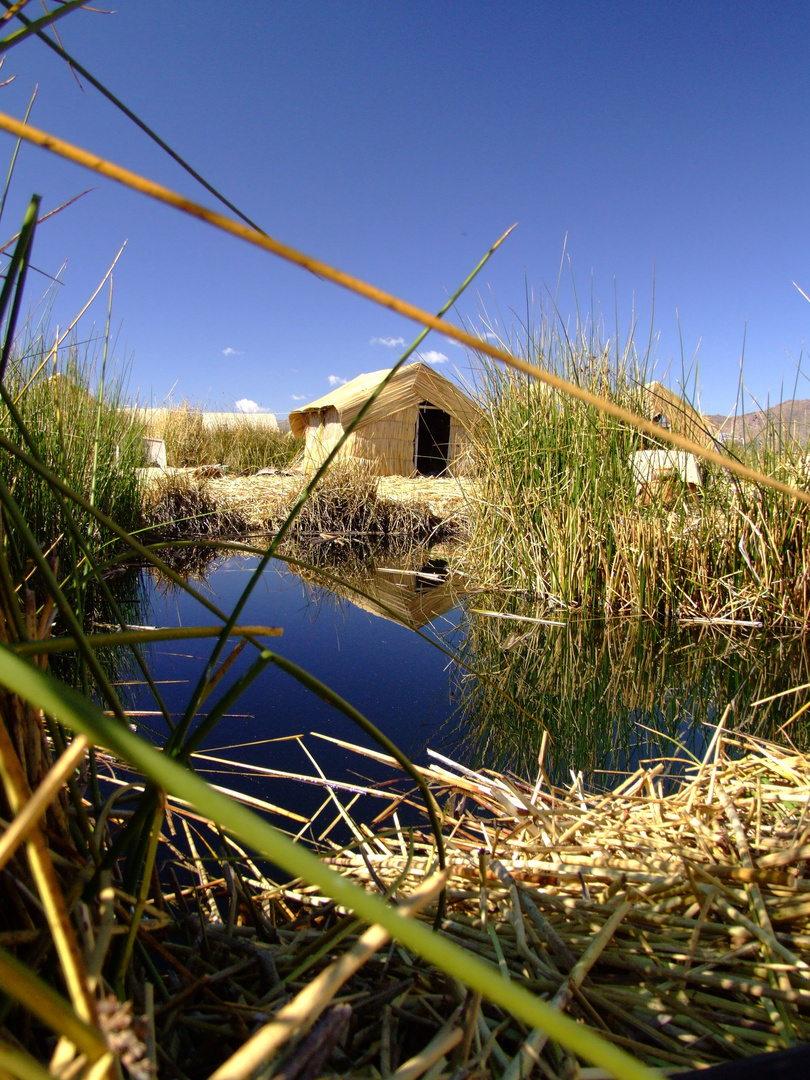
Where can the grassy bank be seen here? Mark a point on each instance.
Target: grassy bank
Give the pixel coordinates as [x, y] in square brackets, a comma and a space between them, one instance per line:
[561, 517]
[65, 411]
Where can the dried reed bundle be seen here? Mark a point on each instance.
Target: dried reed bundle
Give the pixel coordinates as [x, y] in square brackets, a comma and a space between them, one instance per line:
[348, 502]
[677, 924]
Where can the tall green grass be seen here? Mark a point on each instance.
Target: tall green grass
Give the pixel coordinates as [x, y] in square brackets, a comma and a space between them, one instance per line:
[69, 406]
[559, 516]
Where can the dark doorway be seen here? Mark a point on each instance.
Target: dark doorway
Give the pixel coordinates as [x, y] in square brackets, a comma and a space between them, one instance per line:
[432, 441]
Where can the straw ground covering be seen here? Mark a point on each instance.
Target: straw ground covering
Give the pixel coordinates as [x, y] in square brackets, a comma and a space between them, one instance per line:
[678, 925]
[347, 501]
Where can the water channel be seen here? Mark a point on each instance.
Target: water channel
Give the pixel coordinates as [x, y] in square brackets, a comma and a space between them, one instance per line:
[475, 677]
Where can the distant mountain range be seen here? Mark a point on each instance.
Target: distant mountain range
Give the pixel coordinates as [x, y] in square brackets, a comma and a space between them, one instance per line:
[790, 419]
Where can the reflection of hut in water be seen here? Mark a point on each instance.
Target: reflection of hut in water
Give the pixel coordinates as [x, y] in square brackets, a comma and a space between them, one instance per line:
[419, 424]
[412, 598]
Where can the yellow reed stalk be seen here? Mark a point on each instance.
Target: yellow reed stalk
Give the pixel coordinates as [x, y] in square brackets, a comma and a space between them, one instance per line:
[36, 806]
[379, 296]
[52, 899]
[309, 1003]
[441, 1044]
[51, 1008]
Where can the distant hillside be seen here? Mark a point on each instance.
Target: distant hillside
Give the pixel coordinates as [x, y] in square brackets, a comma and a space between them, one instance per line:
[791, 419]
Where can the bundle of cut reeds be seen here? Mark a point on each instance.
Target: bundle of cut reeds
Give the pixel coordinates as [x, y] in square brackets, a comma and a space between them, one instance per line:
[676, 924]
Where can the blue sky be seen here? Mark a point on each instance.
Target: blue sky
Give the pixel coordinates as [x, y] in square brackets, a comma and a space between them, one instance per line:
[662, 146]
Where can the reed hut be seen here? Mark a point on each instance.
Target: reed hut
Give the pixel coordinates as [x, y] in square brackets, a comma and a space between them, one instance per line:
[663, 471]
[419, 425]
[661, 403]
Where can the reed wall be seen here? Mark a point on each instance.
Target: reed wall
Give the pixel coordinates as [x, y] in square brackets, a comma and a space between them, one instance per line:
[386, 447]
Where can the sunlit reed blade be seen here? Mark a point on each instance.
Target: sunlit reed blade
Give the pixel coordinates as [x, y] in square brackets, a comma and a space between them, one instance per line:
[304, 1009]
[50, 1007]
[13, 160]
[44, 217]
[139, 637]
[15, 280]
[35, 807]
[48, 886]
[38, 24]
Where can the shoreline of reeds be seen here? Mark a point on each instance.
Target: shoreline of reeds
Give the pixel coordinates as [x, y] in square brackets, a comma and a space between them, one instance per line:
[348, 504]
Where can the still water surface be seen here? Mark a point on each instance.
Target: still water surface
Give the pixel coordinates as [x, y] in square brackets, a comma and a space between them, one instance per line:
[609, 696]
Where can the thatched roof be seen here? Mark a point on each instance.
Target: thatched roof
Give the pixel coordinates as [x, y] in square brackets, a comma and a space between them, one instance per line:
[412, 383]
[683, 417]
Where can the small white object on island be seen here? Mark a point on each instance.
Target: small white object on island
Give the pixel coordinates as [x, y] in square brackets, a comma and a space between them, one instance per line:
[654, 468]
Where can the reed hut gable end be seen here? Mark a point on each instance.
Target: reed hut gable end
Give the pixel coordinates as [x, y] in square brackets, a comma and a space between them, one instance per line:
[420, 423]
[681, 416]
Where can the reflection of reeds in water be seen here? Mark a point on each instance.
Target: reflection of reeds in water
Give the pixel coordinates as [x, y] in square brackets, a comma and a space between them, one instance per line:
[612, 694]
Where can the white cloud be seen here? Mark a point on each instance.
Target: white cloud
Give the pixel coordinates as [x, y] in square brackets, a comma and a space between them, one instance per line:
[228, 351]
[389, 342]
[298, 397]
[433, 356]
[452, 341]
[247, 406]
[335, 380]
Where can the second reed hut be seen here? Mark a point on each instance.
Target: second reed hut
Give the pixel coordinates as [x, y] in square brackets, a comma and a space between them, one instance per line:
[420, 424]
[661, 403]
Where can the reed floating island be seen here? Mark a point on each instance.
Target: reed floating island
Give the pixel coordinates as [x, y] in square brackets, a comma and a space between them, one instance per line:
[349, 501]
[676, 923]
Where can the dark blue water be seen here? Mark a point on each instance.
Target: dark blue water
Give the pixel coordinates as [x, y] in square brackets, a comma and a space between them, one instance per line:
[610, 696]
[397, 678]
